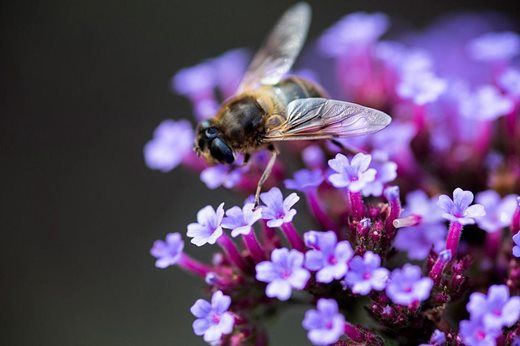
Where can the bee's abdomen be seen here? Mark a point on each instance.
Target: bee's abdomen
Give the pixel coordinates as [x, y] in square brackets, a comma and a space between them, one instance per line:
[294, 88]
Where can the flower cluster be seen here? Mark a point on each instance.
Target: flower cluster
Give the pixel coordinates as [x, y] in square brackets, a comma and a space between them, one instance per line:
[400, 229]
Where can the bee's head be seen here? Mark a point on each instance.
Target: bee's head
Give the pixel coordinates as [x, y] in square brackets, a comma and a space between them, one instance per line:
[210, 144]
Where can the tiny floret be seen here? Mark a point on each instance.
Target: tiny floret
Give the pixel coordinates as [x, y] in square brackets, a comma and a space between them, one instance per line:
[305, 180]
[475, 333]
[167, 252]
[354, 174]
[495, 46]
[486, 103]
[516, 247]
[365, 274]
[459, 209]
[496, 309]
[499, 211]
[421, 88]
[241, 220]
[221, 175]
[407, 286]
[325, 325]
[277, 210]
[207, 229]
[386, 171]
[213, 319]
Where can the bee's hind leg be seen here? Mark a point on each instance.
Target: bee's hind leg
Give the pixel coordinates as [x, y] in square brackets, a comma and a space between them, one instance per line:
[265, 174]
[345, 147]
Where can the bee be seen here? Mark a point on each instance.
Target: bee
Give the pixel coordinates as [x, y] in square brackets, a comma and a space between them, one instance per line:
[269, 107]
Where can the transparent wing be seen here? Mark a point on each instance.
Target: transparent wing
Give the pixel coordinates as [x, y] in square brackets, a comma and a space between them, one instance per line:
[281, 48]
[319, 118]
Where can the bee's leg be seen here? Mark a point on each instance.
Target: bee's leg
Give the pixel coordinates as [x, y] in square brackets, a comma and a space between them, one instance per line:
[247, 156]
[266, 174]
[346, 148]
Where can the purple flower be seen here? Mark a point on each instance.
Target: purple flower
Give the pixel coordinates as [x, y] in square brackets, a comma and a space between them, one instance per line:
[516, 248]
[407, 286]
[386, 171]
[417, 241]
[207, 229]
[221, 175]
[283, 273]
[365, 274]
[474, 333]
[241, 221]
[172, 141]
[305, 180]
[229, 69]
[509, 81]
[495, 46]
[418, 203]
[459, 209]
[167, 252]
[354, 30]
[326, 324]
[278, 210]
[313, 156]
[499, 212]
[355, 174]
[497, 309]
[213, 319]
[485, 103]
[421, 88]
[328, 256]
[438, 338]
[195, 80]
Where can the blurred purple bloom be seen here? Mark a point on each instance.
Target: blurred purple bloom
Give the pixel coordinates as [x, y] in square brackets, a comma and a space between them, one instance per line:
[213, 319]
[352, 31]
[499, 211]
[229, 69]
[418, 203]
[326, 324]
[438, 338]
[221, 175]
[304, 180]
[241, 220]
[172, 141]
[417, 241]
[497, 309]
[474, 333]
[328, 257]
[207, 229]
[278, 210]
[509, 81]
[485, 103]
[386, 171]
[195, 80]
[459, 209]
[407, 285]
[354, 175]
[495, 46]
[365, 274]
[167, 252]
[516, 248]
[421, 88]
[313, 156]
[395, 138]
[283, 273]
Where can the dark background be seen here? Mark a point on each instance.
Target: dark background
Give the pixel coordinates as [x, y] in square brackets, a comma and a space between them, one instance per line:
[83, 85]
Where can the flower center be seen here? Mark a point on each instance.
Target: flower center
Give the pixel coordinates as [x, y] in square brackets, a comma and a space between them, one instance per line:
[367, 275]
[480, 335]
[215, 318]
[332, 259]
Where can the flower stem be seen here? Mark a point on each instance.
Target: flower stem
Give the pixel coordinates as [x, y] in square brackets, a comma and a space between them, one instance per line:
[254, 247]
[452, 242]
[441, 261]
[293, 237]
[232, 252]
[269, 235]
[356, 204]
[493, 241]
[318, 212]
[193, 266]
[353, 332]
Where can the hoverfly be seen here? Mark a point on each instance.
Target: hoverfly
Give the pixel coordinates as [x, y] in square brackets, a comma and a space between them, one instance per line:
[269, 108]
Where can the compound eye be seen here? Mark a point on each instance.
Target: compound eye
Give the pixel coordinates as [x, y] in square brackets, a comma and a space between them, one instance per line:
[211, 132]
[221, 151]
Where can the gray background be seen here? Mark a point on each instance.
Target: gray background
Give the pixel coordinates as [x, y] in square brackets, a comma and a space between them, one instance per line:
[84, 83]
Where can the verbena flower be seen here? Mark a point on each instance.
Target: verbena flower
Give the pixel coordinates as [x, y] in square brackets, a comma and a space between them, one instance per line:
[276, 209]
[418, 203]
[213, 319]
[167, 252]
[438, 338]
[241, 220]
[407, 286]
[459, 208]
[485, 103]
[365, 274]
[421, 88]
[474, 333]
[386, 171]
[509, 81]
[328, 257]
[313, 157]
[172, 141]
[496, 309]
[516, 247]
[353, 174]
[207, 229]
[305, 179]
[283, 273]
[499, 211]
[325, 325]
[495, 46]
[195, 80]
[221, 175]
[417, 241]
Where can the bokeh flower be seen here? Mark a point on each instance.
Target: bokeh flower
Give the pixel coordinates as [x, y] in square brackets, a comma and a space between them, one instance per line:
[407, 286]
[499, 211]
[276, 209]
[169, 251]
[496, 309]
[207, 229]
[213, 319]
[365, 274]
[325, 324]
[241, 220]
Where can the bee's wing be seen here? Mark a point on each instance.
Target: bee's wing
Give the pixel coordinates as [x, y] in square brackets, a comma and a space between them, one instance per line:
[319, 118]
[281, 48]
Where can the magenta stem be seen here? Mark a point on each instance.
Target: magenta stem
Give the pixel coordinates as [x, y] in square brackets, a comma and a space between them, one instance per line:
[419, 118]
[254, 247]
[452, 242]
[232, 252]
[353, 332]
[515, 221]
[493, 241]
[269, 235]
[356, 204]
[483, 139]
[293, 237]
[318, 212]
[193, 266]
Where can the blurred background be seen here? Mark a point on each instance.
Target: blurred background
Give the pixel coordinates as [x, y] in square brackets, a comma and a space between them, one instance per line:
[83, 85]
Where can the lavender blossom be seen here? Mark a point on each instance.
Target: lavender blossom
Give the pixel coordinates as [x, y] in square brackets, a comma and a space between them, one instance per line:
[221, 175]
[421, 88]
[241, 220]
[328, 257]
[386, 171]
[418, 203]
[305, 180]
[172, 141]
[438, 338]
[278, 210]
[354, 175]
[417, 241]
[459, 209]
[516, 248]
[495, 46]
[407, 286]
[499, 212]
[213, 319]
[283, 273]
[497, 309]
[195, 80]
[365, 274]
[485, 103]
[326, 324]
[167, 252]
[509, 81]
[207, 229]
[474, 333]
[313, 157]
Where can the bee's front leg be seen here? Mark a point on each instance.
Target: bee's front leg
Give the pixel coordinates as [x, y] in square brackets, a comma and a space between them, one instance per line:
[265, 174]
